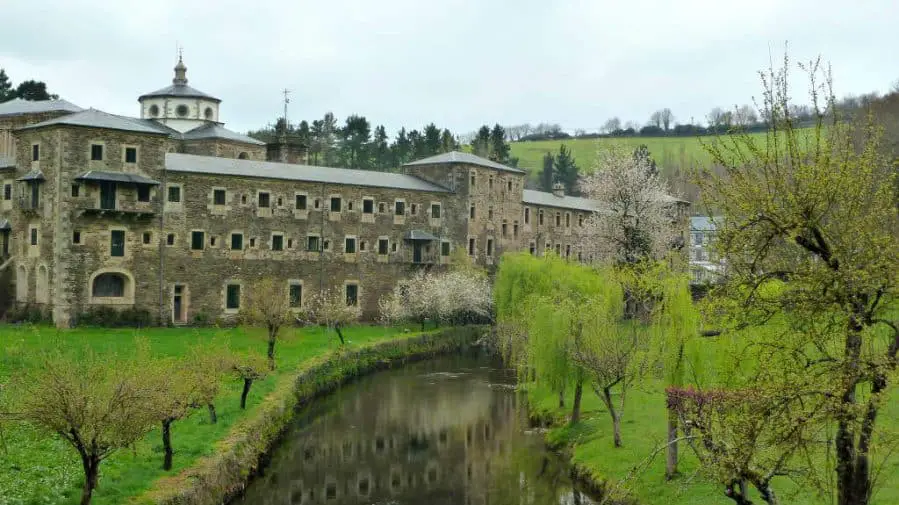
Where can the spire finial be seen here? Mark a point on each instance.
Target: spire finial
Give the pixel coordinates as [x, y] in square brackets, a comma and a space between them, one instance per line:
[180, 69]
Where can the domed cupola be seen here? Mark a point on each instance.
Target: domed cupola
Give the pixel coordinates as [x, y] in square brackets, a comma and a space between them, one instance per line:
[180, 106]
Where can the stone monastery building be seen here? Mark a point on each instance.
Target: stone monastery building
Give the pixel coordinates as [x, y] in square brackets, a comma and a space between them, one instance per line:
[173, 213]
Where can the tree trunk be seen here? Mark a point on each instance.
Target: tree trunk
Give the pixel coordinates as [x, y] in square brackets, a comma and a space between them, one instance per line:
[616, 416]
[246, 390]
[91, 467]
[272, 338]
[339, 333]
[213, 418]
[671, 460]
[736, 491]
[853, 469]
[576, 408]
[167, 444]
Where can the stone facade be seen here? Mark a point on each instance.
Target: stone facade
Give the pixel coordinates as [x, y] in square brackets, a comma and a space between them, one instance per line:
[125, 214]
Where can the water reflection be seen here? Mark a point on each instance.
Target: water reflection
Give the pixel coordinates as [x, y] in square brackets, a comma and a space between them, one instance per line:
[445, 431]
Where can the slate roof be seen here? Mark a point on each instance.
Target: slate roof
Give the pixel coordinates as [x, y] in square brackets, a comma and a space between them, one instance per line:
[543, 198]
[217, 131]
[17, 106]
[179, 90]
[191, 163]
[98, 119]
[118, 177]
[7, 162]
[703, 223]
[418, 235]
[460, 157]
[34, 175]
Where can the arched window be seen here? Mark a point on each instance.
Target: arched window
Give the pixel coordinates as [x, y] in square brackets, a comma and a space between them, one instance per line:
[243, 156]
[109, 285]
[208, 113]
[181, 110]
[154, 110]
[42, 285]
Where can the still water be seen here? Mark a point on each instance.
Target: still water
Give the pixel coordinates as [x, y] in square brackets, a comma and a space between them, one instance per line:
[444, 431]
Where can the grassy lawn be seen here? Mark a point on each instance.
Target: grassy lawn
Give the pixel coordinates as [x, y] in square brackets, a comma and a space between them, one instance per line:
[37, 468]
[644, 428]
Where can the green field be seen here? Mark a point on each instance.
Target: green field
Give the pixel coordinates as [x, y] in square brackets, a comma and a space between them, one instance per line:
[644, 429]
[37, 468]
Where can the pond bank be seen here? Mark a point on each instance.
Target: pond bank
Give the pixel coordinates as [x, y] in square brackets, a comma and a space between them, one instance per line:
[216, 478]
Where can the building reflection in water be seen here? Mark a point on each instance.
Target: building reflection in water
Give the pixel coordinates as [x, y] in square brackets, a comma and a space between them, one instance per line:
[444, 431]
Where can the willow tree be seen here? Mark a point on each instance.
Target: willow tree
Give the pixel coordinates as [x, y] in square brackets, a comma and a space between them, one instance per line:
[813, 210]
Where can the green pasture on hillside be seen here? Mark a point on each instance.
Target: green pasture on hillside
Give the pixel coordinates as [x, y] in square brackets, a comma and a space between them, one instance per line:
[39, 468]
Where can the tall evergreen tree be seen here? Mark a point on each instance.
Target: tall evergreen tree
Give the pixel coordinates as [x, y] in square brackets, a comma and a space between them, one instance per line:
[328, 140]
[315, 142]
[6, 91]
[448, 141]
[419, 148]
[431, 140]
[566, 170]
[34, 90]
[641, 153]
[499, 149]
[380, 150]
[401, 148]
[303, 133]
[355, 137]
[480, 145]
[546, 175]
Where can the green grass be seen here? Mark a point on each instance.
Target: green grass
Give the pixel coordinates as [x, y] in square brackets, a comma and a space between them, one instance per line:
[644, 429]
[38, 468]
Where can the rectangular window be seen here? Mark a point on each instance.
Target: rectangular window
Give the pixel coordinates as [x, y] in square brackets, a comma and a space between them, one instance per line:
[472, 181]
[368, 206]
[532, 248]
[471, 247]
[382, 207]
[471, 212]
[490, 213]
[277, 242]
[130, 155]
[252, 242]
[117, 243]
[515, 229]
[76, 237]
[264, 200]
[540, 217]
[335, 204]
[489, 247]
[567, 250]
[96, 152]
[413, 209]
[349, 205]
[290, 243]
[558, 219]
[558, 249]
[509, 186]
[232, 296]
[399, 208]
[197, 240]
[35, 152]
[146, 238]
[7, 192]
[349, 245]
[170, 239]
[490, 182]
[34, 236]
[580, 220]
[296, 295]
[361, 246]
[444, 248]
[175, 194]
[313, 243]
[218, 197]
[352, 295]
[316, 203]
[237, 241]
[143, 193]
[527, 215]
[383, 245]
[505, 228]
[393, 247]
[300, 204]
[567, 220]
[435, 210]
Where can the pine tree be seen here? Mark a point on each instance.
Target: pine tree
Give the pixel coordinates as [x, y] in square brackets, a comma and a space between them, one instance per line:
[355, 137]
[642, 153]
[566, 170]
[304, 134]
[401, 149]
[431, 140]
[499, 149]
[448, 142]
[328, 140]
[546, 175]
[480, 146]
[6, 91]
[380, 150]
[315, 142]
[33, 90]
[419, 148]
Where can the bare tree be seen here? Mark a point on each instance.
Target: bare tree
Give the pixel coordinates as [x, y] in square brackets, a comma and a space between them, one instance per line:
[655, 119]
[97, 404]
[611, 125]
[666, 118]
[632, 125]
[715, 117]
[269, 306]
[745, 115]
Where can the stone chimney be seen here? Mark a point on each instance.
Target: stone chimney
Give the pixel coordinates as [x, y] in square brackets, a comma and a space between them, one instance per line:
[559, 189]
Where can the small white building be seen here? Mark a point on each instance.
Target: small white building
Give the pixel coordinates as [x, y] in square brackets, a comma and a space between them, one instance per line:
[705, 266]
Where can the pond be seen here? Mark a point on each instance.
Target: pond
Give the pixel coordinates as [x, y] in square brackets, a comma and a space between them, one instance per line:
[450, 430]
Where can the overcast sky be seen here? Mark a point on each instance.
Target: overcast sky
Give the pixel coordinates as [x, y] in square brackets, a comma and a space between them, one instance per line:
[459, 63]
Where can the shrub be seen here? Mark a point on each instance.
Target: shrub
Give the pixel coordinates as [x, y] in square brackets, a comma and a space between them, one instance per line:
[112, 318]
